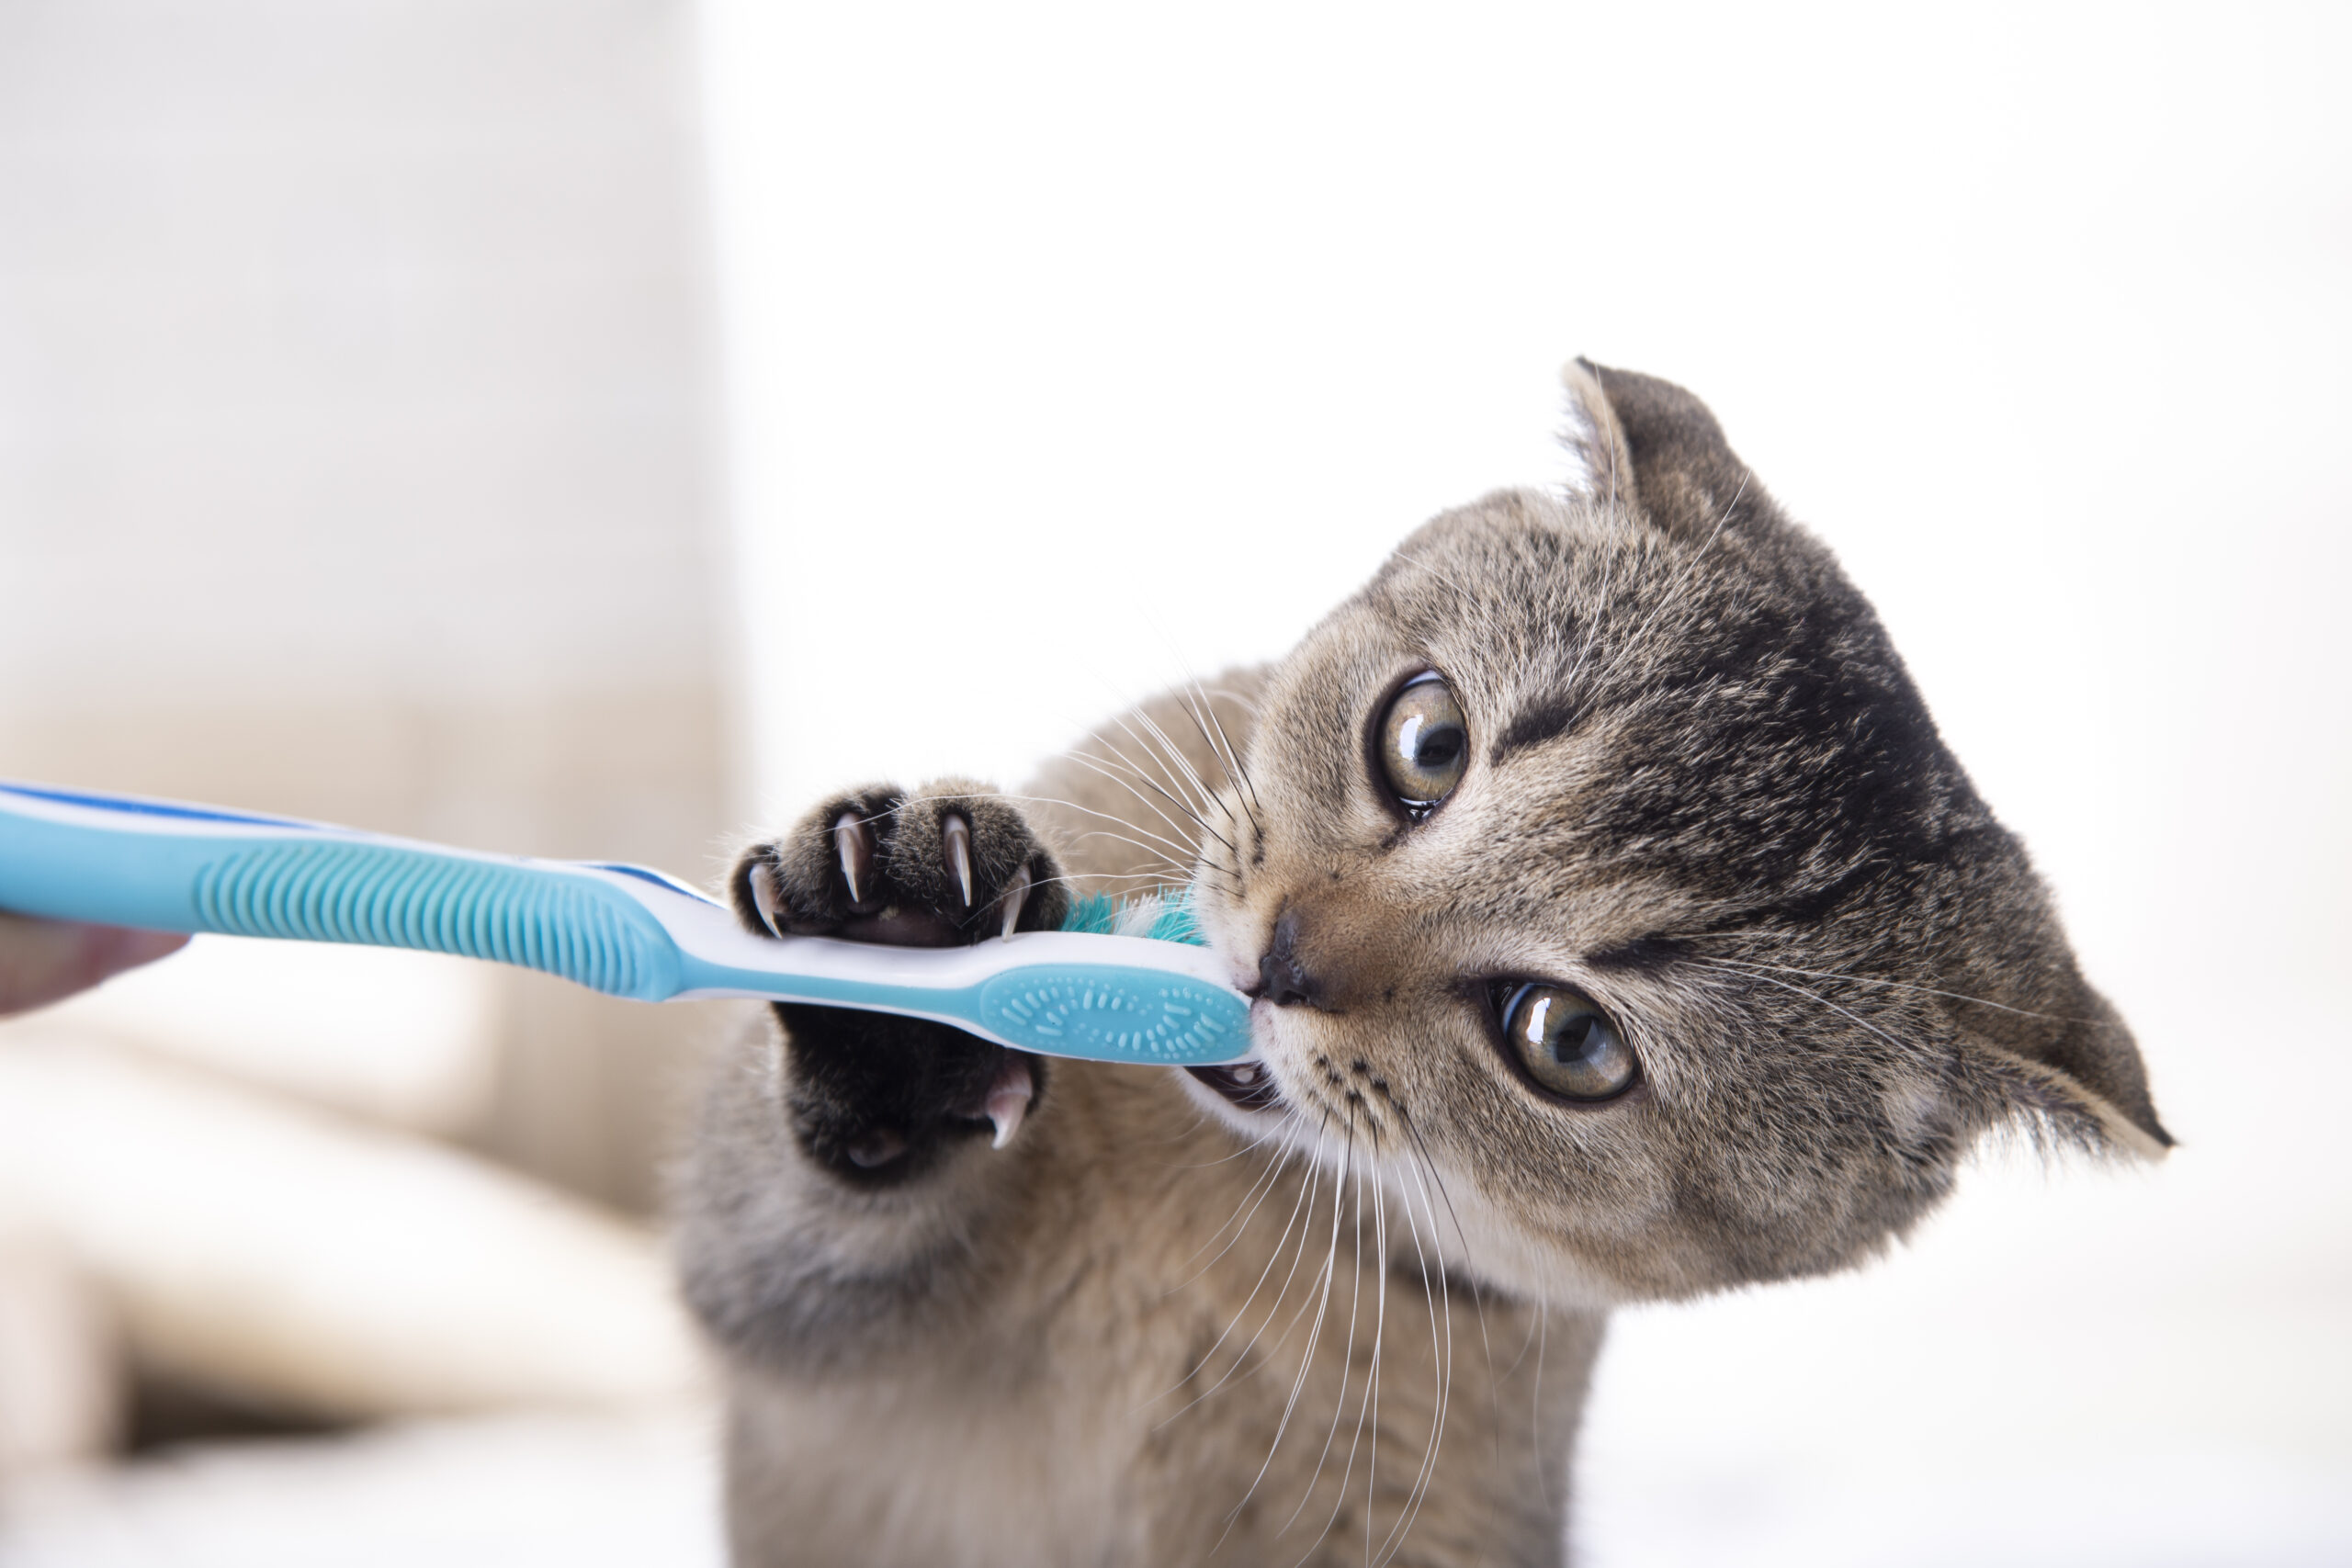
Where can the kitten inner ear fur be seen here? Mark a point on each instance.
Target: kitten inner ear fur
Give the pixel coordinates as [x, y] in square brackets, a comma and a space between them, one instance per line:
[2074, 1070]
[2009, 1087]
[1654, 449]
[1595, 439]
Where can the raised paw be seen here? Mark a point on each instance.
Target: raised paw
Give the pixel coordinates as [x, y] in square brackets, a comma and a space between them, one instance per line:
[942, 866]
[874, 1095]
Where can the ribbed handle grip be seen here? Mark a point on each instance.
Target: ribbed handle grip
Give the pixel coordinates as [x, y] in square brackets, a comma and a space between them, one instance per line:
[89, 857]
[388, 897]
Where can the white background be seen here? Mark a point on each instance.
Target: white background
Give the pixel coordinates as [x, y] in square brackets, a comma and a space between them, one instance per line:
[1070, 350]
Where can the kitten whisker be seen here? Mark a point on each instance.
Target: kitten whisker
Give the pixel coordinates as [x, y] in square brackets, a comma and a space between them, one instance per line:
[1236, 767]
[1228, 760]
[1234, 782]
[1306, 1362]
[1535, 1396]
[1922, 990]
[1441, 1348]
[1197, 703]
[1131, 775]
[1168, 760]
[1073, 879]
[1470, 1272]
[1178, 1137]
[1525, 1344]
[1305, 1198]
[1299, 1256]
[1354, 1186]
[1174, 755]
[1175, 877]
[1166, 847]
[1371, 1381]
[1815, 996]
[1268, 1180]
[1188, 851]
[1257, 1144]
[1136, 777]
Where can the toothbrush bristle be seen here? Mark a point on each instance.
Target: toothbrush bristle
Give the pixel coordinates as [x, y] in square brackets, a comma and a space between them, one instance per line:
[1161, 916]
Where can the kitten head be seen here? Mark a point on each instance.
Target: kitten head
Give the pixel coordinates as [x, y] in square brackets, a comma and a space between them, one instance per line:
[1607, 890]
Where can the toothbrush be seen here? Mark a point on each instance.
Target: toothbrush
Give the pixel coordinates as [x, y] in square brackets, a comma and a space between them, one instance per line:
[622, 930]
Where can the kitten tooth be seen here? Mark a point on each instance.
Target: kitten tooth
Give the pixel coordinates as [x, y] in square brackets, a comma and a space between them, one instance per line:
[850, 842]
[1009, 1099]
[1016, 893]
[764, 898]
[956, 834]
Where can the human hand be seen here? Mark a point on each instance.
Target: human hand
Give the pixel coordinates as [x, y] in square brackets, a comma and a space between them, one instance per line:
[45, 960]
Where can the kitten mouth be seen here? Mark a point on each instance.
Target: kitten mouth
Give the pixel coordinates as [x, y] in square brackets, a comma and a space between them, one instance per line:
[1247, 1085]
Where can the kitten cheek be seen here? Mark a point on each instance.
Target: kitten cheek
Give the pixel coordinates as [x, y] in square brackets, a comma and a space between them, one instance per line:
[1278, 1035]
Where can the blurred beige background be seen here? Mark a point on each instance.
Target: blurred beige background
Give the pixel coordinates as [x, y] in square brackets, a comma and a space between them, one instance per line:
[357, 462]
[355, 454]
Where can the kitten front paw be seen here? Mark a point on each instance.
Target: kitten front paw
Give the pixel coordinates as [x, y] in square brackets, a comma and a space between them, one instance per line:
[941, 867]
[877, 1097]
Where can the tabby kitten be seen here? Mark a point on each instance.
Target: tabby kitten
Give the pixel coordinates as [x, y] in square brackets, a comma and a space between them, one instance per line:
[1619, 929]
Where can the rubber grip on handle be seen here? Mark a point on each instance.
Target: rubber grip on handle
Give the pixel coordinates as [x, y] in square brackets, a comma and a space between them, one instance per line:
[314, 886]
[388, 897]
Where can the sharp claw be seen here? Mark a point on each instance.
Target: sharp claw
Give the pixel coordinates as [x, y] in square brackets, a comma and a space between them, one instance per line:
[1009, 1099]
[764, 897]
[1016, 893]
[857, 850]
[956, 835]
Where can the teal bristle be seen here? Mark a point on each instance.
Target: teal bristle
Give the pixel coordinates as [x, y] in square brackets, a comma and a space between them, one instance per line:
[1169, 915]
[1175, 923]
[1097, 914]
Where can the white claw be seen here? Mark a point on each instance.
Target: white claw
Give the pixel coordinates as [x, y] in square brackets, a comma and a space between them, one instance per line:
[956, 834]
[845, 844]
[1016, 893]
[764, 898]
[1009, 1099]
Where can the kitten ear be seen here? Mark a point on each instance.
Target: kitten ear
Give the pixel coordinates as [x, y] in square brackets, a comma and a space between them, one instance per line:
[1594, 438]
[2079, 1079]
[1656, 449]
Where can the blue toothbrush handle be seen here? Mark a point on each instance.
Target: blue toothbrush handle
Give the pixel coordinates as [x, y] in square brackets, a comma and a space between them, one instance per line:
[624, 930]
[115, 860]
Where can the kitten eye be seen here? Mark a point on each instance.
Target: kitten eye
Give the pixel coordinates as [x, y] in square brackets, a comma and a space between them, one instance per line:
[1567, 1045]
[1423, 743]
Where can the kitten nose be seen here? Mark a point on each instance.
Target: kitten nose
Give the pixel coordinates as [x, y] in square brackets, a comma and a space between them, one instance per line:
[1283, 979]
